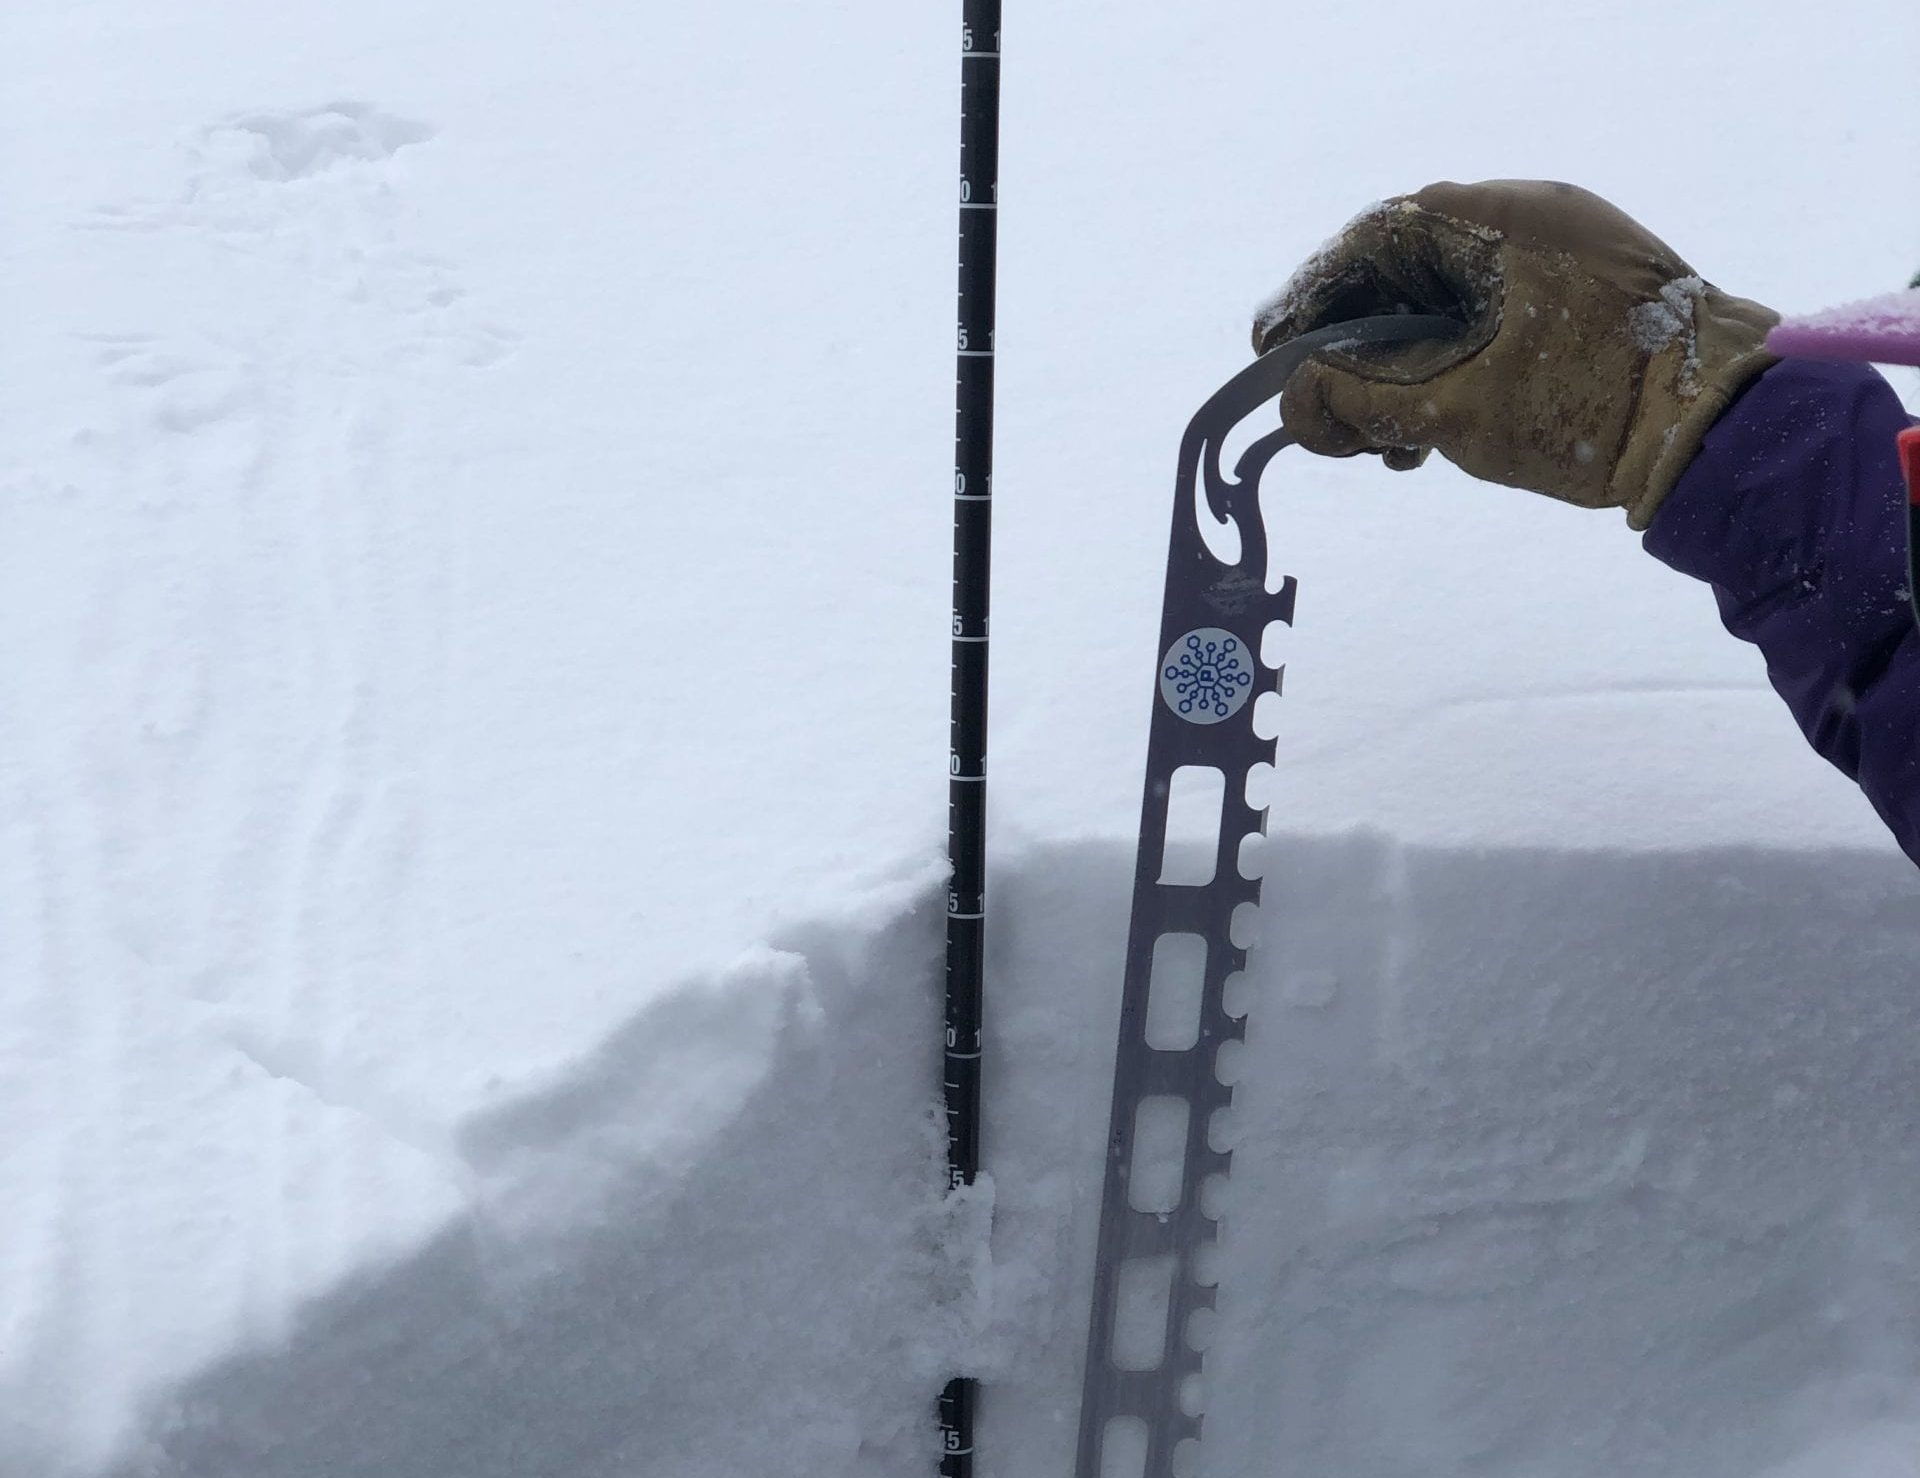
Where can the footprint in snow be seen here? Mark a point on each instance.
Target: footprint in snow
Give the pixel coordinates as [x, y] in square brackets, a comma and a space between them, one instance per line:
[279, 144]
[183, 386]
[230, 161]
[305, 191]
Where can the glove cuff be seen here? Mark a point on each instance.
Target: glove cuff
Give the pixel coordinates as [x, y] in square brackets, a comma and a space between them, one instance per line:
[1705, 346]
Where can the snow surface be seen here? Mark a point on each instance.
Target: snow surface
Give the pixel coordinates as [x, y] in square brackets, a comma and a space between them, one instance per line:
[473, 601]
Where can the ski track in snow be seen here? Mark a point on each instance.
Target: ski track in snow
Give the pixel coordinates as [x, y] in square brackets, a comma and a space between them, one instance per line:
[249, 502]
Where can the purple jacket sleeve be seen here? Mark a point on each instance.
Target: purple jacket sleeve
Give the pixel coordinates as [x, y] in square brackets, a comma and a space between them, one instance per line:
[1794, 511]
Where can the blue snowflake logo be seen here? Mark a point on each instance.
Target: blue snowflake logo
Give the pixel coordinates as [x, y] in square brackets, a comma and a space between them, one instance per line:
[1205, 678]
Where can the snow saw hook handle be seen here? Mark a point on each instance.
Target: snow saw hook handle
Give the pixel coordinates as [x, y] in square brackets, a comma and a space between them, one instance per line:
[1260, 382]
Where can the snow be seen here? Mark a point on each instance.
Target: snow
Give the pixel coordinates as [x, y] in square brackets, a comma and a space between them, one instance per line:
[1546, 1161]
[1657, 324]
[1291, 298]
[473, 600]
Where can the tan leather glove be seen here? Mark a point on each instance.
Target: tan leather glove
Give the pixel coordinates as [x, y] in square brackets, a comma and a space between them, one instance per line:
[1593, 362]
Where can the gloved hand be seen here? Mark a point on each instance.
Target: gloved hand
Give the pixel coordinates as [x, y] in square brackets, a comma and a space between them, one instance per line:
[1593, 361]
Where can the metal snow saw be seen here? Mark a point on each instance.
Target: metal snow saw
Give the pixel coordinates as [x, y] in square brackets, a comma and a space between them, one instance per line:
[1167, 1159]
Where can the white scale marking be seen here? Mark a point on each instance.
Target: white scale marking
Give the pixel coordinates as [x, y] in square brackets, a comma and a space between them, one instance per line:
[973, 497]
[969, 638]
[972, 779]
[974, 353]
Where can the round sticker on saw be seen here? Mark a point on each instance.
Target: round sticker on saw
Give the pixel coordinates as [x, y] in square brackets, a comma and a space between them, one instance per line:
[1207, 675]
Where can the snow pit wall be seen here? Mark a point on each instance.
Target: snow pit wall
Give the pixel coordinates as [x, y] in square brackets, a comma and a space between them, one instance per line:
[1549, 1165]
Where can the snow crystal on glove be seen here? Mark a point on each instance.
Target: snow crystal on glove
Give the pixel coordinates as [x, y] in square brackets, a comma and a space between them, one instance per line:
[1657, 324]
[1288, 302]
